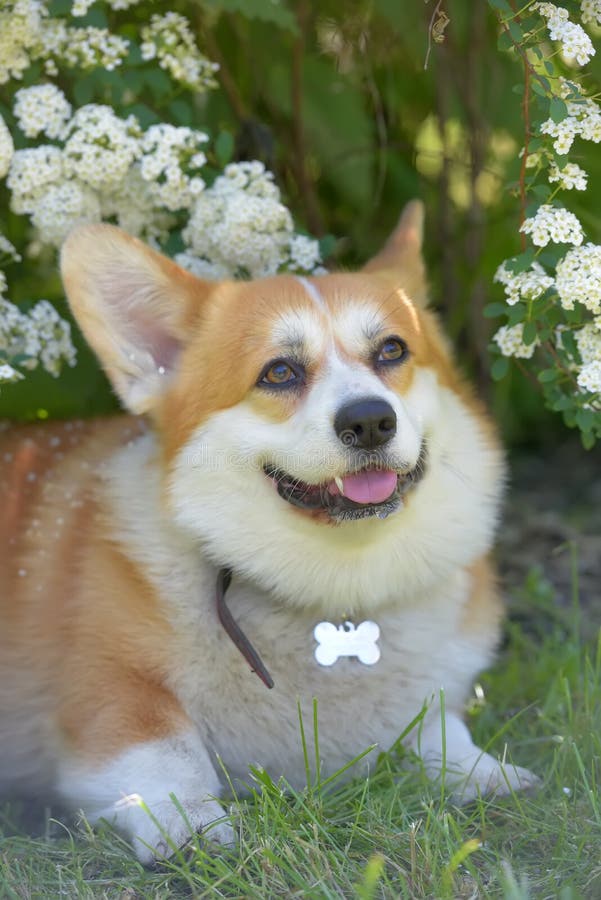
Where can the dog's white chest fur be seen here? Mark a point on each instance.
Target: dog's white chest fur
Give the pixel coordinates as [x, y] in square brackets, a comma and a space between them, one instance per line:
[358, 705]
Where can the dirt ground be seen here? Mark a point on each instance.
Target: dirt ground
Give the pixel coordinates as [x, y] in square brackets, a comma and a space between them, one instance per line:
[552, 522]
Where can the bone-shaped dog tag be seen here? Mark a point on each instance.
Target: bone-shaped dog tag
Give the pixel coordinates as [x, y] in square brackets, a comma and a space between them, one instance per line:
[346, 640]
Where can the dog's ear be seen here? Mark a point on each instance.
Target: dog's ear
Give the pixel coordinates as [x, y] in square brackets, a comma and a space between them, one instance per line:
[401, 258]
[134, 307]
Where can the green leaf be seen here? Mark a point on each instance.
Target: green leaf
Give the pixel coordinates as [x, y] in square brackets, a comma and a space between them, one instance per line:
[521, 262]
[585, 419]
[182, 112]
[588, 440]
[548, 375]
[224, 148]
[530, 333]
[542, 191]
[499, 368]
[558, 109]
[493, 310]
[158, 81]
[327, 245]
[516, 314]
[84, 89]
[515, 31]
[504, 41]
[501, 5]
[273, 11]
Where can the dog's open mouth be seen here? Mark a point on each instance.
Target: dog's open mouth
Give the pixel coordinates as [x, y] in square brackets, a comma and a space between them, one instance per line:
[373, 490]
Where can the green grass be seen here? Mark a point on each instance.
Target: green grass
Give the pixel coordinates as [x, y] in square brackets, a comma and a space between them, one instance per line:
[392, 836]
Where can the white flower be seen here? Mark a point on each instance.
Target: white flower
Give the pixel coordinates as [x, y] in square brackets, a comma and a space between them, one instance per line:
[41, 108]
[571, 176]
[578, 278]
[589, 377]
[81, 7]
[526, 285]
[41, 336]
[564, 133]
[169, 39]
[85, 48]
[7, 373]
[590, 12]
[583, 120]
[170, 164]
[7, 148]
[20, 35]
[100, 147]
[9, 251]
[304, 253]
[61, 208]
[31, 172]
[509, 339]
[133, 206]
[202, 268]
[588, 340]
[575, 42]
[240, 224]
[551, 223]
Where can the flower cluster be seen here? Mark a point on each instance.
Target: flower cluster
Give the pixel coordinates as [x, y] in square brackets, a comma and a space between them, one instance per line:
[41, 109]
[28, 33]
[28, 339]
[7, 252]
[568, 178]
[588, 340]
[81, 7]
[590, 12]
[20, 36]
[526, 285]
[575, 42]
[7, 148]
[99, 146]
[583, 120]
[240, 227]
[170, 164]
[552, 223]
[553, 299]
[169, 39]
[510, 340]
[578, 278]
[82, 48]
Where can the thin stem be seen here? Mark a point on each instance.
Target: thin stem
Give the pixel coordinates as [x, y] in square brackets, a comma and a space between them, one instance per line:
[430, 27]
[526, 116]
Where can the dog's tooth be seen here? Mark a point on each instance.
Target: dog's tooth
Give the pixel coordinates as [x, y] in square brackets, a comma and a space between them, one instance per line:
[339, 484]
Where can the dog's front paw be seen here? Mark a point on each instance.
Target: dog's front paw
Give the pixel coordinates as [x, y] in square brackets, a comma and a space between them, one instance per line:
[491, 777]
[157, 831]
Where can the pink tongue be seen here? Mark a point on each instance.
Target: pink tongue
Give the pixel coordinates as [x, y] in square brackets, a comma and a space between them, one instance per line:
[369, 487]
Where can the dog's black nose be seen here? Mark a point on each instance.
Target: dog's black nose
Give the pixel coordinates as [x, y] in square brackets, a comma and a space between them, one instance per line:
[365, 424]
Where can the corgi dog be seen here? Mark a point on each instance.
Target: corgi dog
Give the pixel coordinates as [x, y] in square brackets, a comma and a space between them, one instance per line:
[299, 505]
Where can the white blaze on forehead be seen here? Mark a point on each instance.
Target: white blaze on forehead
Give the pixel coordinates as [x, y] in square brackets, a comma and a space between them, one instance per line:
[313, 293]
[300, 326]
[356, 323]
[360, 320]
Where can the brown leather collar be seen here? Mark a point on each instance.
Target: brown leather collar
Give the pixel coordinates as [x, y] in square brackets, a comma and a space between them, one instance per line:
[230, 625]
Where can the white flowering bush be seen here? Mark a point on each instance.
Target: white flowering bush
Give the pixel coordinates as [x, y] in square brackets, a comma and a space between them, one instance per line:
[553, 287]
[67, 159]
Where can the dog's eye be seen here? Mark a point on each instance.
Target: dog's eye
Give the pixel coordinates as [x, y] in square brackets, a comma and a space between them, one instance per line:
[393, 350]
[280, 373]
